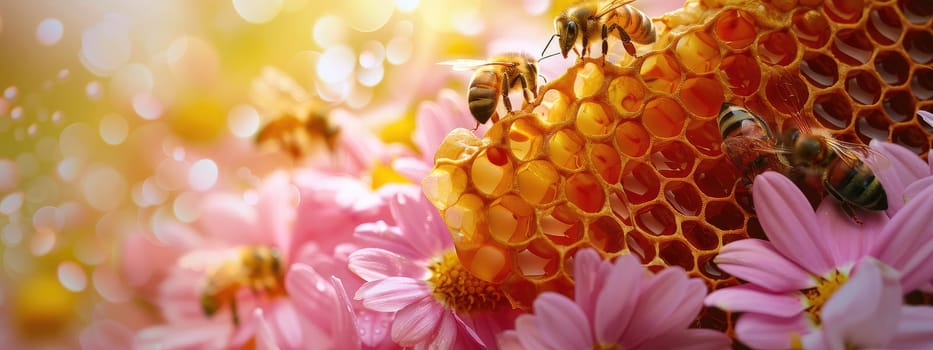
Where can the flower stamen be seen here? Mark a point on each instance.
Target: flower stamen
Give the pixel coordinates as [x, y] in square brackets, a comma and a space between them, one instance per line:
[456, 288]
[817, 296]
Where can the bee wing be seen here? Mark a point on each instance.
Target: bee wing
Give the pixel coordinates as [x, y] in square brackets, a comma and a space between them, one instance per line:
[275, 92]
[789, 88]
[206, 260]
[468, 64]
[611, 6]
[852, 152]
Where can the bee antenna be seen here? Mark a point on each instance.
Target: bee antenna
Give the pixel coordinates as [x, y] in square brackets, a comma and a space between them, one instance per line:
[548, 45]
[542, 78]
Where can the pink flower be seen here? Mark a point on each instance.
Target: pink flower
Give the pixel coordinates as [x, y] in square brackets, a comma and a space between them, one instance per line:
[812, 281]
[902, 174]
[416, 274]
[617, 305]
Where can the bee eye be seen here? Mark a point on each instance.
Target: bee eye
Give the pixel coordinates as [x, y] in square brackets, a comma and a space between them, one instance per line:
[572, 28]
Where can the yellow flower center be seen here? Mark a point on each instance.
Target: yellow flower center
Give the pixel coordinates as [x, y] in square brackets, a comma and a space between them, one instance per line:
[817, 296]
[456, 288]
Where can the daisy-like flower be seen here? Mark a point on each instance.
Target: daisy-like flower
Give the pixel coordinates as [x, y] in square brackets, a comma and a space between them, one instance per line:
[903, 175]
[618, 306]
[415, 273]
[823, 281]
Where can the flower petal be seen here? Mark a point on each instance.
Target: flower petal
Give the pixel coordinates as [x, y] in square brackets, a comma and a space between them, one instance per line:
[589, 270]
[904, 168]
[689, 339]
[508, 340]
[416, 322]
[864, 311]
[286, 324]
[917, 187]
[265, 339]
[446, 333]
[616, 302]
[768, 332]
[529, 335]
[915, 330]
[754, 299]
[850, 241]
[392, 294]
[106, 334]
[227, 218]
[345, 321]
[415, 216]
[905, 242]
[561, 322]
[789, 222]
[669, 300]
[759, 262]
[374, 264]
[308, 290]
[411, 168]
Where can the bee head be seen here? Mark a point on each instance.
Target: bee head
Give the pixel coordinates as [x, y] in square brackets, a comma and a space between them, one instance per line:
[567, 31]
[807, 148]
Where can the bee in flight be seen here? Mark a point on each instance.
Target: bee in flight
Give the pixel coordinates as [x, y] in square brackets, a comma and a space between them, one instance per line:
[590, 20]
[259, 268]
[299, 122]
[748, 142]
[495, 78]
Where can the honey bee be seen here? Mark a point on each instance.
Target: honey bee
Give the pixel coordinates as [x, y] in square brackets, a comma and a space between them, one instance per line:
[256, 267]
[590, 20]
[299, 122]
[748, 142]
[496, 77]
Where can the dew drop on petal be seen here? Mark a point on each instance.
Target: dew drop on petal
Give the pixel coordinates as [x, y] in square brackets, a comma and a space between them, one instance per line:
[11, 203]
[103, 188]
[72, 276]
[243, 121]
[202, 175]
[113, 129]
[50, 31]
[257, 11]
[335, 64]
[9, 175]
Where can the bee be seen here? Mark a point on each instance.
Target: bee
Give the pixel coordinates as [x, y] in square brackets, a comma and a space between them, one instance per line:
[748, 142]
[495, 78]
[257, 267]
[588, 20]
[299, 122]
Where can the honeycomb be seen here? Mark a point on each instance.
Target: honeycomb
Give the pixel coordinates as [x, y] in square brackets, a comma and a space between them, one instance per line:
[626, 158]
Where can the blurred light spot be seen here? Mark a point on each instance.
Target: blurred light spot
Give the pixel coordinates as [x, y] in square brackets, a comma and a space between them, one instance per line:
[404, 29]
[131, 80]
[32, 129]
[47, 149]
[73, 213]
[57, 117]
[91, 250]
[193, 62]
[48, 218]
[50, 31]
[250, 197]
[71, 276]
[68, 168]
[106, 46]
[335, 64]
[75, 139]
[406, 5]
[147, 106]
[178, 153]
[94, 91]
[12, 234]
[152, 194]
[185, 207]
[360, 97]
[329, 30]
[11, 93]
[202, 175]
[42, 190]
[257, 11]
[11, 203]
[113, 129]
[370, 76]
[469, 22]
[108, 284]
[243, 121]
[103, 188]
[4, 106]
[16, 113]
[17, 260]
[335, 92]
[294, 5]
[372, 54]
[64, 74]
[367, 15]
[398, 50]
[28, 164]
[171, 174]
[9, 175]
[536, 7]
[42, 242]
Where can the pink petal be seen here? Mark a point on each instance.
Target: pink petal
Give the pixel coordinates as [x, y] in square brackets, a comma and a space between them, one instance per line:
[589, 273]
[616, 301]
[905, 243]
[106, 334]
[753, 299]
[769, 332]
[265, 340]
[917, 187]
[469, 329]
[669, 300]
[345, 321]
[413, 169]
[789, 222]
[414, 215]
[380, 235]
[374, 264]
[561, 322]
[286, 324]
[903, 168]
[689, 339]
[309, 290]
[529, 335]
[446, 333]
[850, 241]
[865, 310]
[915, 330]
[275, 209]
[189, 335]
[416, 322]
[508, 340]
[392, 294]
[227, 218]
[759, 263]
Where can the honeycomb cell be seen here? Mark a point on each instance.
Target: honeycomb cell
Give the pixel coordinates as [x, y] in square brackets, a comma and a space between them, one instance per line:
[898, 105]
[524, 139]
[852, 47]
[554, 108]
[872, 124]
[916, 11]
[892, 67]
[492, 172]
[444, 185]
[676, 253]
[657, 220]
[735, 28]
[589, 80]
[699, 235]
[863, 87]
[708, 268]
[640, 246]
[606, 235]
[919, 46]
[742, 73]
[565, 148]
[820, 70]
[510, 219]
[715, 177]
[787, 93]
[538, 260]
[704, 136]
[702, 96]
[592, 120]
[910, 136]
[724, 215]
[639, 182]
[632, 139]
[922, 84]
[884, 25]
[811, 28]
[833, 110]
[538, 182]
[607, 163]
[561, 226]
[661, 72]
[487, 262]
[585, 191]
[754, 229]
[683, 197]
[464, 220]
[777, 48]
[663, 117]
[673, 160]
[626, 94]
[698, 52]
[618, 207]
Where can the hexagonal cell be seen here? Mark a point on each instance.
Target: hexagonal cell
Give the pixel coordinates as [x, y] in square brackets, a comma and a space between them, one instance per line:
[672, 160]
[683, 197]
[735, 28]
[845, 11]
[588, 81]
[702, 96]
[820, 70]
[627, 94]
[632, 139]
[715, 177]
[910, 136]
[700, 236]
[872, 124]
[922, 84]
[754, 229]
[704, 136]
[561, 225]
[787, 93]
[899, 105]
[640, 182]
[444, 185]
[708, 268]
[538, 182]
[852, 47]
[884, 25]
[489, 262]
[606, 234]
[585, 191]
[619, 207]
[663, 117]
[538, 261]
[916, 11]
[661, 72]
[565, 148]
[811, 28]
[863, 87]
[510, 219]
[657, 220]
[777, 48]
[724, 215]
[833, 110]
[606, 161]
[640, 246]
[676, 253]
[464, 219]
[592, 120]
[919, 45]
[698, 51]
[525, 138]
[892, 67]
[743, 74]
[492, 172]
[554, 108]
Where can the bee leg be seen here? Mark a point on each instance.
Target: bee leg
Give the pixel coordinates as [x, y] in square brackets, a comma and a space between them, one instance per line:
[234, 313]
[521, 79]
[505, 94]
[586, 45]
[626, 40]
[605, 35]
[477, 126]
[851, 212]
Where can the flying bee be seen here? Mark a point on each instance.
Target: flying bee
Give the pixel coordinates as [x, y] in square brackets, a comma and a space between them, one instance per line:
[748, 141]
[257, 267]
[299, 122]
[588, 20]
[495, 78]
